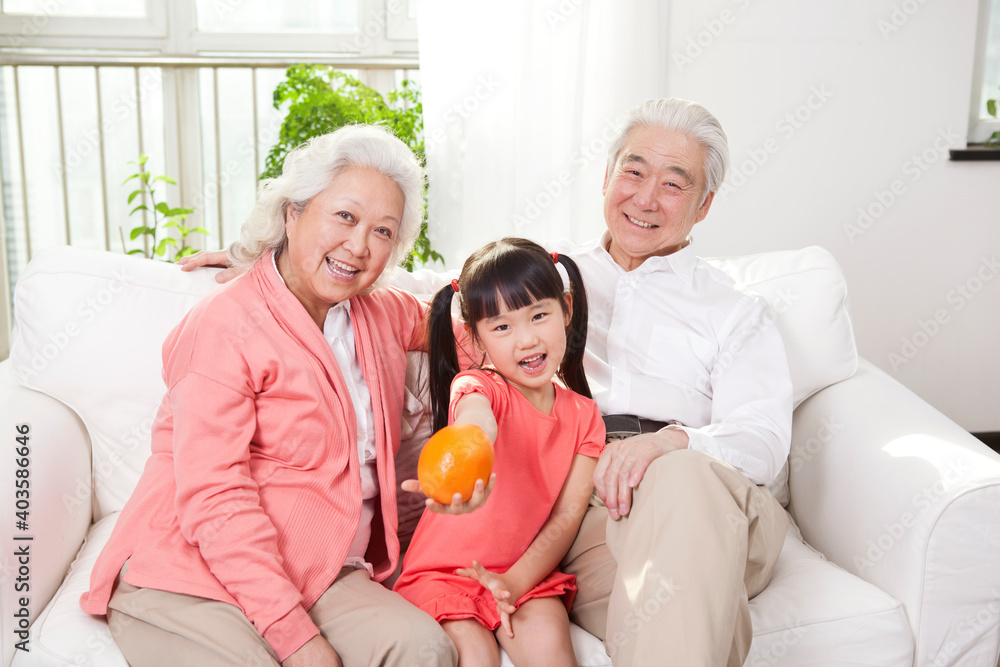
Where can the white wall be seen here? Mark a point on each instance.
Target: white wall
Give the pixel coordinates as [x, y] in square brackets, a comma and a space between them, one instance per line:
[882, 98]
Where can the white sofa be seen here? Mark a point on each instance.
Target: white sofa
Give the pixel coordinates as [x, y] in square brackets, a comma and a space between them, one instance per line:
[898, 506]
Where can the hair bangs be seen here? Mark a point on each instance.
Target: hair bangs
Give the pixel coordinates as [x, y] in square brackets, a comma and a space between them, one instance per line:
[509, 277]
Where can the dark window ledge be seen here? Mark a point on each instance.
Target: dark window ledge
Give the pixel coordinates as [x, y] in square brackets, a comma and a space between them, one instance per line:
[975, 152]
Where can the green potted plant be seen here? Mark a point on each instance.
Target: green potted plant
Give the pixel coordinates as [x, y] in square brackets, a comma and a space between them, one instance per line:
[164, 218]
[320, 99]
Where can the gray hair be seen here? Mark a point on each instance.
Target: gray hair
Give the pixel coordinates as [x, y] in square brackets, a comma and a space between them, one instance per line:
[308, 170]
[688, 118]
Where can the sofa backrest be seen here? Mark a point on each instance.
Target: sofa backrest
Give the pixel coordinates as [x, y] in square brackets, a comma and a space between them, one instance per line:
[89, 327]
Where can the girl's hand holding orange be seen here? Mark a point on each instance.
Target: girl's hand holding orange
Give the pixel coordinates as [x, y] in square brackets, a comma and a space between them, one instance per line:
[452, 468]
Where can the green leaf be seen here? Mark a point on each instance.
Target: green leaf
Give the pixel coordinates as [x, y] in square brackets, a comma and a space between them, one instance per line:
[163, 208]
[165, 179]
[172, 223]
[139, 231]
[184, 252]
[142, 158]
[130, 178]
[991, 107]
[161, 247]
[144, 176]
[199, 230]
[136, 252]
[134, 194]
[140, 207]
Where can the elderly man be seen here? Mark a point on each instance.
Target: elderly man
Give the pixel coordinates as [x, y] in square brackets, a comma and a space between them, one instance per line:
[695, 369]
[673, 342]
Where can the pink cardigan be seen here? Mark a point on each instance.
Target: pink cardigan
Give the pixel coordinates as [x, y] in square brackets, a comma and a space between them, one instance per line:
[252, 493]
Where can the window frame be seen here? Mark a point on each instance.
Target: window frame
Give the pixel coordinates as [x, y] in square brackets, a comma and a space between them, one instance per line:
[43, 30]
[981, 128]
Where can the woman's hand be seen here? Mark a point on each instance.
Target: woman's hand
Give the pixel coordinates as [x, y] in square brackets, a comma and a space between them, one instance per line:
[213, 258]
[316, 652]
[498, 586]
[479, 495]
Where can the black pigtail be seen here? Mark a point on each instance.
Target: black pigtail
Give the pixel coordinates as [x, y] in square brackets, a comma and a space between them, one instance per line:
[571, 370]
[443, 362]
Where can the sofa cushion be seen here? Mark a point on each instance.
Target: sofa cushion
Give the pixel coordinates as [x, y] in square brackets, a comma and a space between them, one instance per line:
[88, 330]
[807, 290]
[814, 613]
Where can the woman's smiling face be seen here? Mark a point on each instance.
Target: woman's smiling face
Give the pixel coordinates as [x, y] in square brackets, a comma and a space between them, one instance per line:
[340, 243]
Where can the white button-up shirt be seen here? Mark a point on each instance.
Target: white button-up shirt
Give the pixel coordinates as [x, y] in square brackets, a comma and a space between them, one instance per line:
[676, 338]
[339, 333]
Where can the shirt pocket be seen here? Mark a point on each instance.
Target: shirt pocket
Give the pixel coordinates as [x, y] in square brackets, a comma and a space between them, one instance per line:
[683, 357]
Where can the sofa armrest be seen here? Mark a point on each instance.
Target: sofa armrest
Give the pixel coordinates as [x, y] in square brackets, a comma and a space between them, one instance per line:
[893, 491]
[58, 505]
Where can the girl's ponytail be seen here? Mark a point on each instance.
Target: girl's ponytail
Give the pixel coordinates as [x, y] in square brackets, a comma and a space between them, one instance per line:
[571, 370]
[443, 362]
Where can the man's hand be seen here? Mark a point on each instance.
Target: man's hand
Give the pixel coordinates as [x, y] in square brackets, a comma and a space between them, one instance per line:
[316, 652]
[214, 258]
[623, 464]
[498, 586]
[479, 495]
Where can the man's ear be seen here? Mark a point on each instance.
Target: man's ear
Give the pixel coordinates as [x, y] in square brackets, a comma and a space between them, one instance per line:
[604, 188]
[705, 205]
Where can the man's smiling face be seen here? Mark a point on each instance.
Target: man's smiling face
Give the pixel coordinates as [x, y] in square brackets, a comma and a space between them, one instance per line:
[654, 196]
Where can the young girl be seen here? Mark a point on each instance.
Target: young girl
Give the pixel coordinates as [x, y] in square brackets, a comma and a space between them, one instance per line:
[491, 575]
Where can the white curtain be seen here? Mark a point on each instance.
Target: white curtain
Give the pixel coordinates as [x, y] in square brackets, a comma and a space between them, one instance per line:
[520, 99]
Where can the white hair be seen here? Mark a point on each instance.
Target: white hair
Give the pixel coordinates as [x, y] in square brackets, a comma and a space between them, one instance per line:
[688, 118]
[309, 169]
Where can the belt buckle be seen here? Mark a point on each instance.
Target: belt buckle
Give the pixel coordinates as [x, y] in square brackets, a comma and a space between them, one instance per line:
[619, 426]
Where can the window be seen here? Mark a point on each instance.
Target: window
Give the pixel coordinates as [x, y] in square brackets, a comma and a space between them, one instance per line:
[986, 74]
[86, 85]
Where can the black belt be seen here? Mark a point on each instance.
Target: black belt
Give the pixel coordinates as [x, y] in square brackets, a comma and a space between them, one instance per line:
[625, 426]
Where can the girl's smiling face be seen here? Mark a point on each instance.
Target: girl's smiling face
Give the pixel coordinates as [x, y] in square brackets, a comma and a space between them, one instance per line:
[527, 345]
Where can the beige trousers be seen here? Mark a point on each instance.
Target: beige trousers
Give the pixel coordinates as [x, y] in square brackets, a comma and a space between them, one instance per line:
[365, 623]
[669, 584]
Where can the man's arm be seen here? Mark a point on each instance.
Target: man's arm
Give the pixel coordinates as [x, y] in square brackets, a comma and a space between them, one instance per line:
[750, 426]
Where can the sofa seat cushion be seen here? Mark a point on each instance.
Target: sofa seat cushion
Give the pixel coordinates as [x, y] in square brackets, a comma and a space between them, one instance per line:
[812, 613]
[815, 613]
[63, 634]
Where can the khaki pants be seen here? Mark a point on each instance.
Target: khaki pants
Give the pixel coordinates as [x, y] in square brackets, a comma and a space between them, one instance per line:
[365, 623]
[669, 584]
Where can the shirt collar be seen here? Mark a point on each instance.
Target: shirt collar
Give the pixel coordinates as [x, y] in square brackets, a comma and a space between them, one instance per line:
[682, 262]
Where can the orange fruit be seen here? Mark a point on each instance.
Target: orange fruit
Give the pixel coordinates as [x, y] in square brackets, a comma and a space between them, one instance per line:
[452, 460]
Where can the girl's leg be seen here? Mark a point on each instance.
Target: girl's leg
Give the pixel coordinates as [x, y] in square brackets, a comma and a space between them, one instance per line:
[541, 635]
[476, 645]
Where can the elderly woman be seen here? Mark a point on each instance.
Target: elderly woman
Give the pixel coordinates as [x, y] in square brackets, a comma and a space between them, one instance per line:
[266, 513]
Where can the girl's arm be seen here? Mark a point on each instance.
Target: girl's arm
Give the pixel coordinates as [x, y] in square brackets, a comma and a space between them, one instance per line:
[477, 410]
[549, 546]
